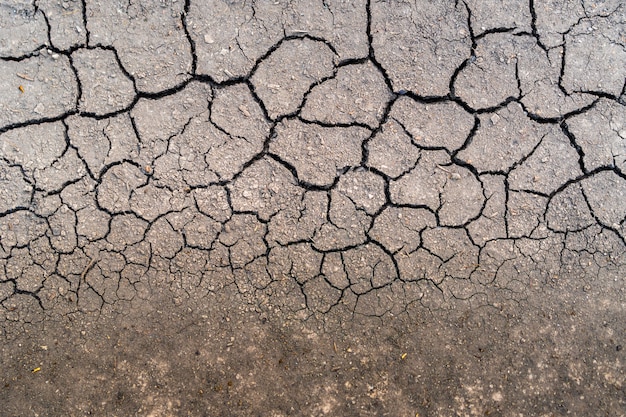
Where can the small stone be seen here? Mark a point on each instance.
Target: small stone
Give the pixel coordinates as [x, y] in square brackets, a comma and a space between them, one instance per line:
[208, 38]
[244, 110]
[39, 108]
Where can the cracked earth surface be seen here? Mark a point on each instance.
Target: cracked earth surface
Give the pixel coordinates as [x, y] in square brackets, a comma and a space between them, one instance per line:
[312, 208]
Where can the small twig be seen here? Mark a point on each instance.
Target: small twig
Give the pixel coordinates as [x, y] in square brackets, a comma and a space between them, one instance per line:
[87, 268]
[452, 175]
[443, 169]
[24, 76]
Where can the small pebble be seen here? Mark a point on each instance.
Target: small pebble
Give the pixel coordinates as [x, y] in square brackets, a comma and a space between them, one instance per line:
[39, 108]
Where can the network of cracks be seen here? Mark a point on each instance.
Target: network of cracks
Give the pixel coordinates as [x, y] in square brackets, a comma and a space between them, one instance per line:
[368, 155]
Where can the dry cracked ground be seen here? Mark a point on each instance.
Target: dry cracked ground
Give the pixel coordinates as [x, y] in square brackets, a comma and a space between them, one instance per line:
[275, 208]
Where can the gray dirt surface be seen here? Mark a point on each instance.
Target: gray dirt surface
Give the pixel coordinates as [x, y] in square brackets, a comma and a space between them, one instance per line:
[284, 208]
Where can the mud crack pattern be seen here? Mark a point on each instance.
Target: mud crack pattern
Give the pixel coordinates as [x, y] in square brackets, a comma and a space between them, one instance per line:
[258, 146]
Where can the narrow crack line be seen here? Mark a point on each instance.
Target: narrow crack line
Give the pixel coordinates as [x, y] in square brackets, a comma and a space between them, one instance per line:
[118, 60]
[371, 51]
[600, 222]
[341, 250]
[301, 183]
[167, 92]
[558, 119]
[106, 116]
[352, 61]
[30, 293]
[39, 121]
[572, 139]
[257, 100]
[204, 78]
[468, 141]
[584, 176]
[374, 132]
[110, 165]
[452, 90]
[597, 93]
[520, 94]
[139, 95]
[325, 124]
[220, 128]
[258, 156]
[190, 40]
[79, 86]
[533, 192]
[9, 294]
[34, 53]
[494, 31]
[523, 159]
[48, 27]
[16, 210]
[426, 99]
[470, 27]
[507, 196]
[533, 25]
[414, 141]
[497, 107]
[305, 96]
[277, 45]
[562, 69]
[84, 16]
[457, 71]
[391, 256]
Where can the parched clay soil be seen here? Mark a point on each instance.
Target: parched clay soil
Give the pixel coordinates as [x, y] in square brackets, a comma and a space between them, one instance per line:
[310, 208]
